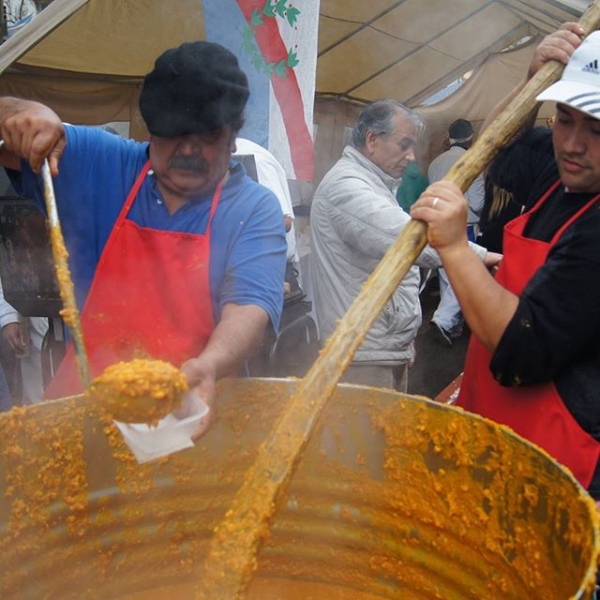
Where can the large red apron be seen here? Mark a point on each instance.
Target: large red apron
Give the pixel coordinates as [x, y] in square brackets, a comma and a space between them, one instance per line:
[150, 298]
[536, 412]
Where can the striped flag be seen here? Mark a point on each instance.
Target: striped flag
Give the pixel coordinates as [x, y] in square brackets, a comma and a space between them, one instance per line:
[276, 44]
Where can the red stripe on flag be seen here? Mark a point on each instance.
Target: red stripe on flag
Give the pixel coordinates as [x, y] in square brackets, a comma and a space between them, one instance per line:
[286, 90]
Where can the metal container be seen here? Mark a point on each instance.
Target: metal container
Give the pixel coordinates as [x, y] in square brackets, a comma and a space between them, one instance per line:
[394, 497]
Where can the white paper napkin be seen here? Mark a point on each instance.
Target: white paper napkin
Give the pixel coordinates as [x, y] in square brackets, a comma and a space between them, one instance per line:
[167, 436]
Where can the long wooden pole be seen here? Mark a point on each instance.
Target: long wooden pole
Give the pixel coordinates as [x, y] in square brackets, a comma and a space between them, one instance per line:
[231, 559]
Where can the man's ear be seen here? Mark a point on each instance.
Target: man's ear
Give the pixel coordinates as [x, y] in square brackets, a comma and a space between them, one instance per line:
[370, 138]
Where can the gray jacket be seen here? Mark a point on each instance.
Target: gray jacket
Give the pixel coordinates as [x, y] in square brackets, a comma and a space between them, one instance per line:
[354, 219]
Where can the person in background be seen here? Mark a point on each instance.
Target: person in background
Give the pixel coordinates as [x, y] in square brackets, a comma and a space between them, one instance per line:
[459, 139]
[177, 253]
[354, 220]
[270, 173]
[414, 182]
[8, 362]
[24, 335]
[534, 358]
[448, 319]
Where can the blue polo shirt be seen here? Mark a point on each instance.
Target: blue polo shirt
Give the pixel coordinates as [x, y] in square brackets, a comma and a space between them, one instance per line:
[97, 171]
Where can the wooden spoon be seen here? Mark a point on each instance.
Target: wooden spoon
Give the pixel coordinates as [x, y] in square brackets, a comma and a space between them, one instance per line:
[231, 558]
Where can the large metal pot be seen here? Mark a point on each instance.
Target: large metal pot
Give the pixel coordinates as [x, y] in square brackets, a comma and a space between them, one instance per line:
[394, 497]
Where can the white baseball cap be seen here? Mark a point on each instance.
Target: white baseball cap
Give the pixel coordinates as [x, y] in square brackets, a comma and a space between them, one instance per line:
[579, 86]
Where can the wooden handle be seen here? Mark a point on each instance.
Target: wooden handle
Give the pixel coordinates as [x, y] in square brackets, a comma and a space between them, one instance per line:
[231, 558]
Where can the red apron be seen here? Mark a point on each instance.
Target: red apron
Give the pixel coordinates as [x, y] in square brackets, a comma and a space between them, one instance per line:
[535, 412]
[150, 298]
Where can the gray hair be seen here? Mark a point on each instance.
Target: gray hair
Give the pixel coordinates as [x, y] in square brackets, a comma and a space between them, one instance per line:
[378, 117]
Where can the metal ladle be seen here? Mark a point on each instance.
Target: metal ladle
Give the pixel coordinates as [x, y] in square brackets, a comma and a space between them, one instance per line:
[70, 312]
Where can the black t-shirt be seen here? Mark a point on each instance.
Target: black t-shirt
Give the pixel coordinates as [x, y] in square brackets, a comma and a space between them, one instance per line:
[555, 332]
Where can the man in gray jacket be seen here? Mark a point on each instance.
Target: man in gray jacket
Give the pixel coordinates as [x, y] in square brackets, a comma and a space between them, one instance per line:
[354, 220]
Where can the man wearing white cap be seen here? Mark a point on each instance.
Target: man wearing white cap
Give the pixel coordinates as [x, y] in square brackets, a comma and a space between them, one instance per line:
[534, 357]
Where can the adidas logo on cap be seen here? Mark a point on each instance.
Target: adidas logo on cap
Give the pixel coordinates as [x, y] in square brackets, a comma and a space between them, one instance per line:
[579, 85]
[592, 67]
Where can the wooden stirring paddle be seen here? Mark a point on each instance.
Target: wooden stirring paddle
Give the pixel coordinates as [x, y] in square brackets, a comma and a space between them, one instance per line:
[231, 558]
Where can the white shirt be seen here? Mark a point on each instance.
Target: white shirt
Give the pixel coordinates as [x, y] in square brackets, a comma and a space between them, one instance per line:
[271, 174]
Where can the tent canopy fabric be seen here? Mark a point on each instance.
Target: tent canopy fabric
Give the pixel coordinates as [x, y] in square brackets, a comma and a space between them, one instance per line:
[111, 38]
[406, 49]
[500, 73]
[87, 58]
[410, 49]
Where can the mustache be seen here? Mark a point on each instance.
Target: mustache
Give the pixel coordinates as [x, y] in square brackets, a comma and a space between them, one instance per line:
[189, 163]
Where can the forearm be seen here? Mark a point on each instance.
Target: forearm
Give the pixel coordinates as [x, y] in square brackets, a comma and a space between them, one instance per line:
[236, 338]
[486, 305]
[8, 316]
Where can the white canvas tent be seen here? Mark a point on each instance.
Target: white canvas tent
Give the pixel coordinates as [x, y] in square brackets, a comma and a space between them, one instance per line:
[410, 49]
[479, 94]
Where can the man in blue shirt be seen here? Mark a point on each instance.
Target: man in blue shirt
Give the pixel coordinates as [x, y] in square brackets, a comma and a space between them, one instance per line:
[175, 251]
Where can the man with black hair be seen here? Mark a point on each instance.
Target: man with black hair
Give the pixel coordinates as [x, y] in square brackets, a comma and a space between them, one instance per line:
[448, 319]
[176, 252]
[459, 138]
